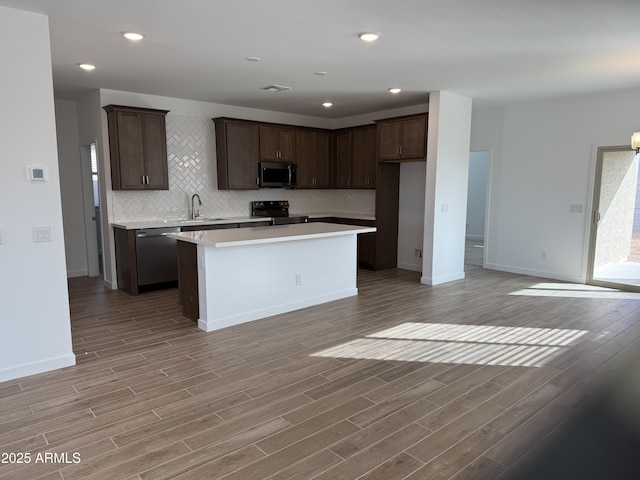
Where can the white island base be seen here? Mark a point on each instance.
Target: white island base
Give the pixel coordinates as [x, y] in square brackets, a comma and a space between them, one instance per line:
[251, 273]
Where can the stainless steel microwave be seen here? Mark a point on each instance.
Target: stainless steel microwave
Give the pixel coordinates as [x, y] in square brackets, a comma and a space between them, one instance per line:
[278, 175]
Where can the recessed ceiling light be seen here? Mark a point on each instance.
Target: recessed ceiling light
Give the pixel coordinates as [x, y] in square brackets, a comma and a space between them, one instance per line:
[133, 36]
[369, 36]
[253, 59]
[327, 104]
[87, 66]
[395, 90]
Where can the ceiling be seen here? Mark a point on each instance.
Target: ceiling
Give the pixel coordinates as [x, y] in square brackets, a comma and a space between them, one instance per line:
[495, 51]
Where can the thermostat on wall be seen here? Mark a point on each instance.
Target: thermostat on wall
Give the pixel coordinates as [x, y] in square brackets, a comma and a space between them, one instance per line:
[37, 174]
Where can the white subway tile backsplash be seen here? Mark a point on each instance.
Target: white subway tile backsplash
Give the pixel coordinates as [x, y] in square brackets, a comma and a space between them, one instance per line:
[191, 156]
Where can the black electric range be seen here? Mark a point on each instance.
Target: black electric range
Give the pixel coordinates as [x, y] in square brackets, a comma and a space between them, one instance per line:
[278, 210]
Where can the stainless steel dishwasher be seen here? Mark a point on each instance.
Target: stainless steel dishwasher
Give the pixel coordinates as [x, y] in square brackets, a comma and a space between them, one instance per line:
[157, 256]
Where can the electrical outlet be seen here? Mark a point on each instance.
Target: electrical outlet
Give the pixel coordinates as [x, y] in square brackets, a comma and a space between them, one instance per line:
[418, 252]
[41, 234]
[543, 255]
[298, 279]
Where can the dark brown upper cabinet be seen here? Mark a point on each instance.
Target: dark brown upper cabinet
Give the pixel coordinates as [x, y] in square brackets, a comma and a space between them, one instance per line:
[313, 158]
[138, 148]
[343, 159]
[277, 143]
[237, 151]
[402, 139]
[355, 165]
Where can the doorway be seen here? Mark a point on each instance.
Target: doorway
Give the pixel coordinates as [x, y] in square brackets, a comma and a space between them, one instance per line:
[91, 192]
[614, 247]
[474, 251]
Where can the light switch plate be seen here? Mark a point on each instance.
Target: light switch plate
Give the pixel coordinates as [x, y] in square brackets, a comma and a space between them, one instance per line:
[576, 208]
[3, 238]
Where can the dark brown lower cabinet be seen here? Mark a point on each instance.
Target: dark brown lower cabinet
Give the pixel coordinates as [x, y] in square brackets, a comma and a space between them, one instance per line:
[387, 205]
[188, 279]
[126, 260]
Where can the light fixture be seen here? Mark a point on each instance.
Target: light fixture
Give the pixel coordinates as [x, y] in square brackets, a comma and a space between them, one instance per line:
[395, 90]
[369, 36]
[327, 104]
[320, 73]
[87, 66]
[253, 59]
[635, 142]
[276, 88]
[133, 36]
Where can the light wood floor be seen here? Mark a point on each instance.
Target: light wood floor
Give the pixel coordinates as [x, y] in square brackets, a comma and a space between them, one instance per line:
[367, 387]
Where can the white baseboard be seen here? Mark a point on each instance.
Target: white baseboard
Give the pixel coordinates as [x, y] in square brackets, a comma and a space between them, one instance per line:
[535, 273]
[410, 266]
[19, 371]
[442, 279]
[77, 273]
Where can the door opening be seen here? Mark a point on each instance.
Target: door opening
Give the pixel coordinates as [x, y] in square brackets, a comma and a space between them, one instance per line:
[474, 251]
[92, 210]
[614, 247]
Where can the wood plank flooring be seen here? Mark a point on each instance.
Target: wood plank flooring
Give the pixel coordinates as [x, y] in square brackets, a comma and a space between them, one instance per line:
[407, 396]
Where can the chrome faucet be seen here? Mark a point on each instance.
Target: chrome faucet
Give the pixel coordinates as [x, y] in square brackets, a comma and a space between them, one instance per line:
[195, 213]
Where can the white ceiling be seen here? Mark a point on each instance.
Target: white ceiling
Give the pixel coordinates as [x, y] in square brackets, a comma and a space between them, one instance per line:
[496, 51]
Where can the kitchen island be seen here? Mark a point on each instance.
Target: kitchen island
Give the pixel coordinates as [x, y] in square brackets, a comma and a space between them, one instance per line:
[228, 277]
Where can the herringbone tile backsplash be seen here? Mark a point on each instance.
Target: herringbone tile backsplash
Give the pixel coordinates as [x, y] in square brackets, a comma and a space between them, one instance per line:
[191, 154]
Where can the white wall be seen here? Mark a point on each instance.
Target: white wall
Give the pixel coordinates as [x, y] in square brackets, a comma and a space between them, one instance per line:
[543, 162]
[70, 169]
[446, 187]
[36, 330]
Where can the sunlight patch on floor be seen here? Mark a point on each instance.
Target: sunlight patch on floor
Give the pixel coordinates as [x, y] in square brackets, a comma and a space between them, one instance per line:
[459, 344]
[574, 290]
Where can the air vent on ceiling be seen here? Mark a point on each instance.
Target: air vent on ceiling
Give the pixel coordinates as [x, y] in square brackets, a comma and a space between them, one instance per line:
[276, 88]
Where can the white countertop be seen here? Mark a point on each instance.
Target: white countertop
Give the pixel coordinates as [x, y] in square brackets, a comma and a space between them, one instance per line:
[351, 215]
[259, 235]
[142, 224]
[184, 222]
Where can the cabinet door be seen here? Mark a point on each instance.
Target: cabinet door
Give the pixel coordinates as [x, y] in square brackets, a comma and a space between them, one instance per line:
[364, 157]
[413, 138]
[389, 140]
[312, 154]
[154, 148]
[321, 159]
[277, 143]
[366, 249]
[138, 144]
[241, 156]
[304, 158]
[126, 141]
[343, 160]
